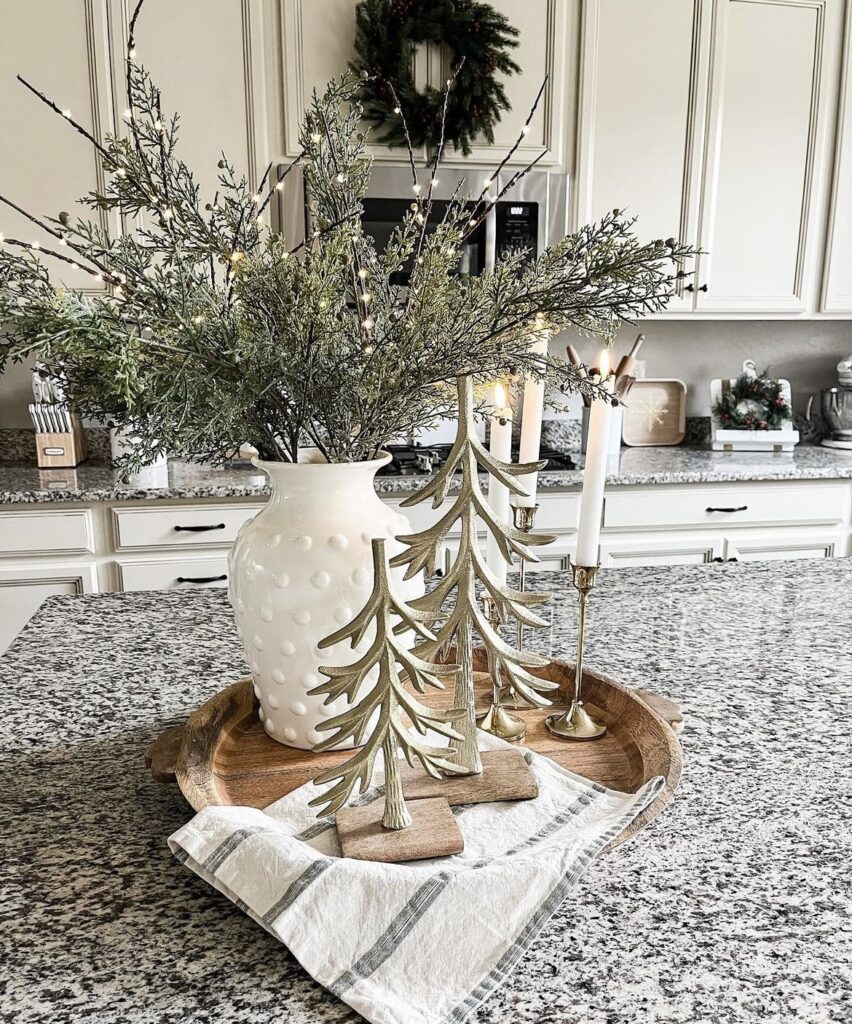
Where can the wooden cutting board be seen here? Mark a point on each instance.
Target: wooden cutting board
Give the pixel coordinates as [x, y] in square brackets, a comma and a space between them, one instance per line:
[223, 755]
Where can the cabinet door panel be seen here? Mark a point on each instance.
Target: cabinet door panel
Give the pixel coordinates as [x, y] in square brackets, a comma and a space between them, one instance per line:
[669, 549]
[45, 165]
[317, 38]
[641, 123]
[837, 285]
[765, 547]
[767, 127]
[23, 589]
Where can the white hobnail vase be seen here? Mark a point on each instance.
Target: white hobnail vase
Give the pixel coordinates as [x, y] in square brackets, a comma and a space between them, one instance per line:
[300, 570]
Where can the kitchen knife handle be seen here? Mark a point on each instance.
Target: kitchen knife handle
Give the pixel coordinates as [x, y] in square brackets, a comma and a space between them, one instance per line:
[202, 579]
[199, 529]
[739, 508]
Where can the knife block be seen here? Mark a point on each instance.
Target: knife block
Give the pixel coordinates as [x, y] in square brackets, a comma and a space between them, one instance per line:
[62, 450]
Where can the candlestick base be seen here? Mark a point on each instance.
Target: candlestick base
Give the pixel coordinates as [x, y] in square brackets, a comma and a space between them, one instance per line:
[499, 722]
[575, 724]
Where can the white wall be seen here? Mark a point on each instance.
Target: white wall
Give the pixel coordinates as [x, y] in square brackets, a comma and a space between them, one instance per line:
[805, 352]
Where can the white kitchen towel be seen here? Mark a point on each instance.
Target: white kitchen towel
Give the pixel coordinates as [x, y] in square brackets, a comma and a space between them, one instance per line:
[424, 942]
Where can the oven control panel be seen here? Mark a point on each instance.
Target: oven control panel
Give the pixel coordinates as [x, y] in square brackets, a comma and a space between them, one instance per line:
[517, 227]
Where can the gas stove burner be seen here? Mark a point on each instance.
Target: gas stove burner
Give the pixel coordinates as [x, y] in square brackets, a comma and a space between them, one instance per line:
[414, 459]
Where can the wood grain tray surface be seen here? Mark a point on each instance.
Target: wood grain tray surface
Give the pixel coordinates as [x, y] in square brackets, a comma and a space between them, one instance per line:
[222, 754]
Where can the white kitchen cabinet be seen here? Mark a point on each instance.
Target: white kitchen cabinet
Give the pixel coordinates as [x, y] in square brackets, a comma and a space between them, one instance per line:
[641, 118]
[316, 42]
[169, 573]
[24, 588]
[773, 545]
[771, 82]
[661, 549]
[712, 121]
[837, 279]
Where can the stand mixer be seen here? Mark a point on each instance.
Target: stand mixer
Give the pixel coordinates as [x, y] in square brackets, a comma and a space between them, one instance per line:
[836, 407]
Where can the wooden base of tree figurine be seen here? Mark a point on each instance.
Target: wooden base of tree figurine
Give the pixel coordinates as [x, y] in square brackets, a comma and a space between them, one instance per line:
[377, 721]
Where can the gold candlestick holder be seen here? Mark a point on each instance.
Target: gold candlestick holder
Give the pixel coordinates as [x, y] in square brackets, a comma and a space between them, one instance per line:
[576, 723]
[497, 720]
[524, 519]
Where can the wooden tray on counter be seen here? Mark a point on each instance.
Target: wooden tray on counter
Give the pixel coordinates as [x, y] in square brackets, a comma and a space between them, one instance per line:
[223, 755]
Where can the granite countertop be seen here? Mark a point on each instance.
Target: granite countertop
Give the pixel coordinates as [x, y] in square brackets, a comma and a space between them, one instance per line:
[29, 485]
[734, 906]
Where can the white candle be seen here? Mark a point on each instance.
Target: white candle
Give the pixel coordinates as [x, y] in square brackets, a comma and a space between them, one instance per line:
[533, 413]
[594, 474]
[500, 446]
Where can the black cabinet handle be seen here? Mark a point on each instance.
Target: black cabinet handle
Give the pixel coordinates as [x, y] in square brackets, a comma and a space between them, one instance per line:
[202, 579]
[703, 288]
[739, 508]
[721, 561]
[199, 529]
[691, 288]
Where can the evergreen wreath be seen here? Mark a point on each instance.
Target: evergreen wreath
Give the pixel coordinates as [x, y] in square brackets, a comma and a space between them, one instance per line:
[753, 403]
[478, 37]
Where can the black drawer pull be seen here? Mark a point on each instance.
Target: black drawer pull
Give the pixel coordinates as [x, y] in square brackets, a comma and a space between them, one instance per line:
[739, 508]
[202, 579]
[199, 529]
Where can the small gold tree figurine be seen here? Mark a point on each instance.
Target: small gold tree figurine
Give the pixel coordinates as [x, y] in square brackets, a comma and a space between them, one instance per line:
[378, 714]
[505, 664]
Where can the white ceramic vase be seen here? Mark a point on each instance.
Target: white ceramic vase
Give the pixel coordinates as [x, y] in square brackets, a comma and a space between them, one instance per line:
[300, 570]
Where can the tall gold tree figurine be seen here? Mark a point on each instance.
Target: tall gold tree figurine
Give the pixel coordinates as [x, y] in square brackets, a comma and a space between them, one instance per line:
[378, 715]
[467, 616]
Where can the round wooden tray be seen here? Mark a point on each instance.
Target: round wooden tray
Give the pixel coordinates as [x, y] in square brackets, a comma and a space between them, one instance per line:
[223, 755]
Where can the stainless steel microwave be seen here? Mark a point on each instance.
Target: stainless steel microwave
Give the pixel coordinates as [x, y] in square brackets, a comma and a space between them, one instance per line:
[532, 215]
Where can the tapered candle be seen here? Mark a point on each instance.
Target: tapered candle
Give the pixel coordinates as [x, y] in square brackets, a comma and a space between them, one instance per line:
[594, 474]
[500, 446]
[531, 417]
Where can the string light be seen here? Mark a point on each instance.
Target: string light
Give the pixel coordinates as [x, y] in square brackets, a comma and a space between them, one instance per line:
[131, 53]
[66, 113]
[416, 189]
[315, 137]
[368, 324]
[256, 198]
[97, 277]
[487, 183]
[158, 124]
[525, 130]
[36, 245]
[236, 256]
[367, 349]
[128, 112]
[420, 218]
[396, 110]
[341, 178]
[362, 274]
[2, 237]
[259, 219]
[365, 298]
[433, 182]
[279, 185]
[168, 214]
[471, 223]
[198, 319]
[323, 304]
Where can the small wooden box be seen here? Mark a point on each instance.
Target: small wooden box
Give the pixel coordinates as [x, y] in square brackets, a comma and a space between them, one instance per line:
[62, 450]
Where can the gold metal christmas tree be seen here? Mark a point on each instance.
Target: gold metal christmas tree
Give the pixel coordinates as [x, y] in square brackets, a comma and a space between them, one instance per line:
[378, 713]
[467, 616]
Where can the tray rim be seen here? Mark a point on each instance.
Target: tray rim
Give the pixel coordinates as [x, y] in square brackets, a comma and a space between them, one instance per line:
[206, 725]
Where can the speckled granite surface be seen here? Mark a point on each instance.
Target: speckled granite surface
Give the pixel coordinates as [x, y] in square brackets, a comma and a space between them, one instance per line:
[734, 907]
[634, 466]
